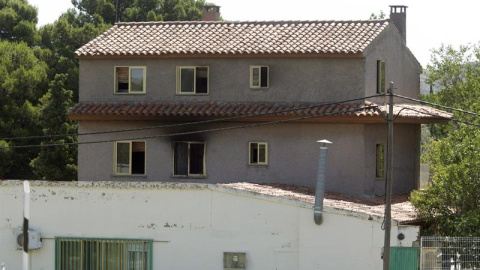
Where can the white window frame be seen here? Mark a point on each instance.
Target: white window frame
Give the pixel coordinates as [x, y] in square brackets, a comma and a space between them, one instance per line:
[194, 92]
[250, 144]
[259, 86]
[129, 91]
[115, 156]
[188, 159]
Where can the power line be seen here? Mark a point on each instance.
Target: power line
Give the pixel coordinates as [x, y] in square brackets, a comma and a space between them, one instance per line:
[190, 132]
[187, 123]
[444, 117]
[437, 105]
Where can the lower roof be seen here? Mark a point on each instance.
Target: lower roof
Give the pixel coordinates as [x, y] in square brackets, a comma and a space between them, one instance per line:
[366, 112]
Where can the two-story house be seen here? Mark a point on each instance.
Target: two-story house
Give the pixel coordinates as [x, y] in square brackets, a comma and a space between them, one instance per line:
[220, 102]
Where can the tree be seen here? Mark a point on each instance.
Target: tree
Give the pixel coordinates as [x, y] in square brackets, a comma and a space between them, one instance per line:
[17, 21]
[59, 162]
[23, 78]
[379, 16]
[450, 202]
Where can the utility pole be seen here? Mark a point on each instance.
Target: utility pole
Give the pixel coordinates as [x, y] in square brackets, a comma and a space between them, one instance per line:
[26, 217]
[389, 184]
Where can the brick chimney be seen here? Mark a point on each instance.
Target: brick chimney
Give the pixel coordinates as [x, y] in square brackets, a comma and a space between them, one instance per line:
[398, 15]
[211, 13]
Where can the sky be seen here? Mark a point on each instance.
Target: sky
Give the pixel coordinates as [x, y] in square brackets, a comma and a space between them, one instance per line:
[430, 23]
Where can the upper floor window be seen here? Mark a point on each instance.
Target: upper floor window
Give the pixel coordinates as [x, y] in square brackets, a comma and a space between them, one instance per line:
[192, 80]
[189, 159]
[129, 157]
[258, 154]
[258, 77]
[130, 80]
[380, 77]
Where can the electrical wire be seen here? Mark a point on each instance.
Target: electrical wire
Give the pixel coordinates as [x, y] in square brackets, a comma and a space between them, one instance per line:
[188, 123]
[189, 132]
[436, 105]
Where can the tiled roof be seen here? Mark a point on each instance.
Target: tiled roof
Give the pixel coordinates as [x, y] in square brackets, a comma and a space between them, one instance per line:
[234, 38]
[232, 109]
[402, 210]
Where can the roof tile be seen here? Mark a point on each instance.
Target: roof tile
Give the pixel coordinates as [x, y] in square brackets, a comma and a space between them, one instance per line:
[225, 109]
[271, 37]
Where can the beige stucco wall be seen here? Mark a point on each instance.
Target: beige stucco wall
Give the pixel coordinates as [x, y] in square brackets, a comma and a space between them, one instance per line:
[192, 225]
[401, 66]
[292, 154]
[300, 80]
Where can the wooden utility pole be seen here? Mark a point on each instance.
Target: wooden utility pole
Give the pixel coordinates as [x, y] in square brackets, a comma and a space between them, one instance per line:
[389, 184]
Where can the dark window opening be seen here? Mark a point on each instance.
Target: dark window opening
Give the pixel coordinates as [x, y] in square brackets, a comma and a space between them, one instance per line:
[193, 80]
[189, 158]
[380, 161]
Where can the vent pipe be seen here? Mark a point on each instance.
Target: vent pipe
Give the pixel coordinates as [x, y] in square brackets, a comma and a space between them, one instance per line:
[321, 180]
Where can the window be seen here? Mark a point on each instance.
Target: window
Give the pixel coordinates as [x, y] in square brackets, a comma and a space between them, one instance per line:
[380, 161]
[93, 254]
[192, 80]
[130, 80]
[129, 157]
[258, 153]
[380, 77]
[189, 159]
[259, 77]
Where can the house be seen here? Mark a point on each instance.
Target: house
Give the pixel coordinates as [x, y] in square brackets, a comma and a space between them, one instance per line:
[226, 102]
[154, 225]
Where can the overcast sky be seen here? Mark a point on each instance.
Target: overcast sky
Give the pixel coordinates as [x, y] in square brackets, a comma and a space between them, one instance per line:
[429, 23]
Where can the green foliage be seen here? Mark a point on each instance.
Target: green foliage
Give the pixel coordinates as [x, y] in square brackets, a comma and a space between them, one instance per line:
[17, 21]
[379, 16]
[59, 162]
[141, 10]
[450, 202]
[23, 78]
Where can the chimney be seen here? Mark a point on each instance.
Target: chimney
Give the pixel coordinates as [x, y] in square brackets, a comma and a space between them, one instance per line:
[211, 13]
[398, 15]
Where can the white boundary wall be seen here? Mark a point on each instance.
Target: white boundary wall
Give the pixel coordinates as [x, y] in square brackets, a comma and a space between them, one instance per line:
[193, 224]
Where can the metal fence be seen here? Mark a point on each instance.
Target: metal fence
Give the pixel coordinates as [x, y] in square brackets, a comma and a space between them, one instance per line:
[451, 253]
[94, 253]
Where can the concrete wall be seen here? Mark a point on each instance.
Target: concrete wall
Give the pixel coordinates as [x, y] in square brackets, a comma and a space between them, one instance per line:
[292, 152]
[192, 225]
[301, 80]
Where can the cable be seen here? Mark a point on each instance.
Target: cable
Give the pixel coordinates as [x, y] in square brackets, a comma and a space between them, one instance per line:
[187, 123]
[437, 105]
[189, 132]
[446, 118]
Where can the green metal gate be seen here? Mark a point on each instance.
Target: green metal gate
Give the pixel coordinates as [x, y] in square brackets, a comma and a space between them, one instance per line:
[404, 258]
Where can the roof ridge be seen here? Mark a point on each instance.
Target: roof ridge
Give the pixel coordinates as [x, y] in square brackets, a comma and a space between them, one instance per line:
[252, 22]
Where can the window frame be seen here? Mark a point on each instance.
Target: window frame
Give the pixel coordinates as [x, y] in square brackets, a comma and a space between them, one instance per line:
[204, 161]
[129, 91]
[77, 246]
[194, 92]
[258, 163]
[130, 151]
[381, 77]
[259, 77]
[380, 161]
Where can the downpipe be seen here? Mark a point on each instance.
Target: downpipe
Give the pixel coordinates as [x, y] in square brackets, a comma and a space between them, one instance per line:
[321, 181]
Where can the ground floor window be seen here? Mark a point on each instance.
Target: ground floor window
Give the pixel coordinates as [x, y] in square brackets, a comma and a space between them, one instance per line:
[189, 159]
[258, 153]
[129, 157]
[93, 254]
[380, 161]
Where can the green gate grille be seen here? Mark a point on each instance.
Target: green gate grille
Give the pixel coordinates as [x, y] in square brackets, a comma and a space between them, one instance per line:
[102, 254]
[403, 258]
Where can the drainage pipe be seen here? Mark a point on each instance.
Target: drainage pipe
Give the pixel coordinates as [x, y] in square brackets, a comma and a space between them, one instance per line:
[320, 186]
